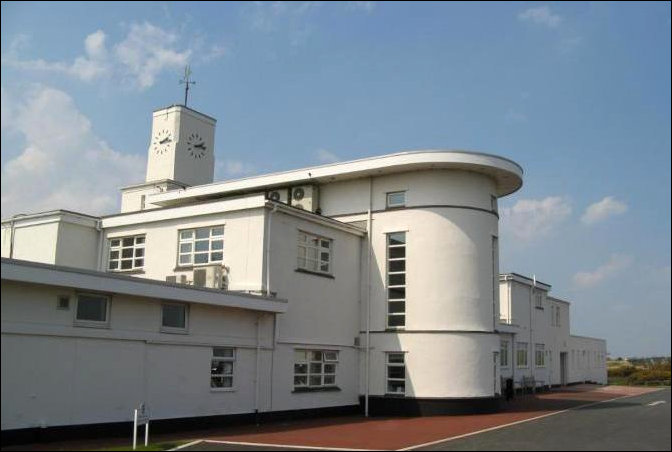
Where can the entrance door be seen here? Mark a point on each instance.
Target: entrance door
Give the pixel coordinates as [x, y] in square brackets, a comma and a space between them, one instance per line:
[563, 368]
[495, 372]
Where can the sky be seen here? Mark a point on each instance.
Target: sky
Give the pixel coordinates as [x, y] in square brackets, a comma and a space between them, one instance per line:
[577, 93]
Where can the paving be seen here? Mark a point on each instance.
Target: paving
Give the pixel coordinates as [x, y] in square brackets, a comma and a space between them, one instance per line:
[403, 433]
[575, 418]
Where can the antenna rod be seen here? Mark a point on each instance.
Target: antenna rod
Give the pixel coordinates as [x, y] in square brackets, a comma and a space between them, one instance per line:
[187, 81]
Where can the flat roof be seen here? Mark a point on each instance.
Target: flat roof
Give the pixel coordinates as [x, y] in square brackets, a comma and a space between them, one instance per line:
[508, 175]
[522, 279]
[55, 275]
[48, 213]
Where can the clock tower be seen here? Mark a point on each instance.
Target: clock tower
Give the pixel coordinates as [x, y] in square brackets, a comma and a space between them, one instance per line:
[181, 148]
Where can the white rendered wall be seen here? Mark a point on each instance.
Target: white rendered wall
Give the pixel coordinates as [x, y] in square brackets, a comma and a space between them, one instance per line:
[243, 245]
[35, 243]
[54, 373]
[77, 246]
[322, 314]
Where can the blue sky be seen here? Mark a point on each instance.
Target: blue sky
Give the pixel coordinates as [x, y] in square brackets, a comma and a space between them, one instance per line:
[577, 93]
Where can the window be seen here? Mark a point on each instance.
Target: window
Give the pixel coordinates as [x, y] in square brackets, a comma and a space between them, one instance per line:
[396, 280]
[201, 245]
[314, 253]
[63, 302]
[504, 354]
[127, 253]
[396, 374]
[396, 199]
[538, 301]
[539, 355]
[521, 354]
[92, 309]
[557, 316]
[315, 368]
[174, 317]
[221, 368]
[493, 203]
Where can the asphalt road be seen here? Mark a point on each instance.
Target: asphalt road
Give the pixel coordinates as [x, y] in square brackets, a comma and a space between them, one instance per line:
[625, 424]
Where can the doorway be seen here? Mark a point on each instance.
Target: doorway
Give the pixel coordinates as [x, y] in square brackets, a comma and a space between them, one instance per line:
[563, 368]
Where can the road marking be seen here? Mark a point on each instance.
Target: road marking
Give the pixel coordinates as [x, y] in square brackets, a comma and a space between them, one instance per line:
[657, 402]
[281, 446]
[193, 443]
[497, 427]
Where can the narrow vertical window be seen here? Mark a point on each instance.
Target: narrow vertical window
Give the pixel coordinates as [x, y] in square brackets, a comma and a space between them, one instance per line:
[521, 354]
[396, 374]
[504, 354]
[493, 203]
[396, 280]
[539, 355]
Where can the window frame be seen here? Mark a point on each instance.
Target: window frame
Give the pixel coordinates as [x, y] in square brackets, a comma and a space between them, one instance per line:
[192, 241]
[120, 250]
[231, 375]
[503, 353]
[173, 329]
[308, 361]
[389, 205]
[389, 364]
[527, 355]
[538, 300]
[92, 323]
[319, 250]
[389, 286]
[539, 351]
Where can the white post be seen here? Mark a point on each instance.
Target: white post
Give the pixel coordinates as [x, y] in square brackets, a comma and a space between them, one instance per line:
[135, 428]
[147, 433]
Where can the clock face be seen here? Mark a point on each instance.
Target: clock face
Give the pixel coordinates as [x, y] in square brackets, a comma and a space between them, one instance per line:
[196, 146]
[162, 141]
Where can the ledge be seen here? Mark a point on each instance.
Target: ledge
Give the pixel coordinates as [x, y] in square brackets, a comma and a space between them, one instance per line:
[127, 272]
[308, 272]
[320, 389]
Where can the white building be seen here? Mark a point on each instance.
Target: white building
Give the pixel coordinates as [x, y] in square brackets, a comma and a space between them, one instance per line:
[369, 283]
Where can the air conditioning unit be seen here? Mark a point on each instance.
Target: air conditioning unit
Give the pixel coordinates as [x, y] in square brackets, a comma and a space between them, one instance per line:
[279, 195]
[305, 197]
[177, 279]
[211, 277]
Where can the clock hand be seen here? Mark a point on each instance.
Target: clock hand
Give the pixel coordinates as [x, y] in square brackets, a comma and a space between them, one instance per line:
[200, 146]
[165, 140]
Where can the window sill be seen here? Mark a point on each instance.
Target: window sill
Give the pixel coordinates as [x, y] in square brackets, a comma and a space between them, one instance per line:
[137, 271]
[309, 272]
[393, 329]
[189, 267]
[396, 395]
[223, 389]
[316, 389]
[399, 207]
[85, 324]
[173, 331]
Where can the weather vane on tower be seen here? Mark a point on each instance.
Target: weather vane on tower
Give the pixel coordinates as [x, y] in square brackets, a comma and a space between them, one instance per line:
[187, 81]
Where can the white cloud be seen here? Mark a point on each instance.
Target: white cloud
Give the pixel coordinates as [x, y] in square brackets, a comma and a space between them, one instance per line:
[541, 15]
[290, 18]
[324, 156]
[229, 168]
[361, 6]
[602, 210]
[61, 154]
[529, 219]
[616, 264]
[515, 116]
[145, 52]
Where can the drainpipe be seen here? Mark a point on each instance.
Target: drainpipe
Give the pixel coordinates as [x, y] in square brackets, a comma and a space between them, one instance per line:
[532, 348]
[11, 237]
[268, 251]
[99, 228]
[368, 300]
[256, 372]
